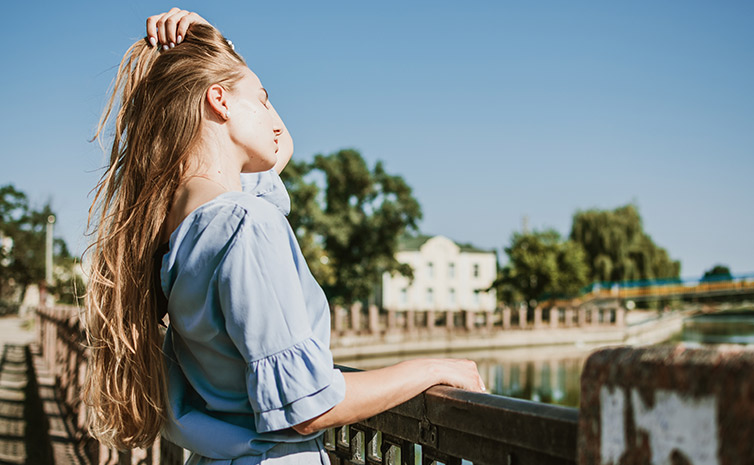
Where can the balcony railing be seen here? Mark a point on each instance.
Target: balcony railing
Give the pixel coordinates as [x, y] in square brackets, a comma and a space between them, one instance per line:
[448, 425]
[442, 424]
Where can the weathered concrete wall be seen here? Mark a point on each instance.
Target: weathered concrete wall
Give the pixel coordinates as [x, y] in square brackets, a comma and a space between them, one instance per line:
[667, 405]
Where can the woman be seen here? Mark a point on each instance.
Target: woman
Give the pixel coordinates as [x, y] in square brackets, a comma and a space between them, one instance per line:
[190, 219]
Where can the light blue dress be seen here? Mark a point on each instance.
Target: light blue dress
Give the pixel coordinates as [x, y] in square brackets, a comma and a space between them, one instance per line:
[247, 349]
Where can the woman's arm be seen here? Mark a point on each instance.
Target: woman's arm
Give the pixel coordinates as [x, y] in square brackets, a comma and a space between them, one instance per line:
[371, 392]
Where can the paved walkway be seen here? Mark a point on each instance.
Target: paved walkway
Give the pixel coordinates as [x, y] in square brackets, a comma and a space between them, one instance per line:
[14, 330]
[32, 427]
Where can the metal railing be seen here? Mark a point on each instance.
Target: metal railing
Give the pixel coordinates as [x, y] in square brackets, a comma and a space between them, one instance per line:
[443, 424]
[448, 425]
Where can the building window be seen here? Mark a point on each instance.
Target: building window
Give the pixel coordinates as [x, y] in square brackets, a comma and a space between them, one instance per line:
[430, 297]
[452, 297]
[430, 270]
[476, 270]
[404, 296]
[452, 270]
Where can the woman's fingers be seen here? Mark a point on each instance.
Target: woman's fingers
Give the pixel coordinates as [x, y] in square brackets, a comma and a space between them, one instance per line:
[185, 22]
[462, 374]
[170, 28]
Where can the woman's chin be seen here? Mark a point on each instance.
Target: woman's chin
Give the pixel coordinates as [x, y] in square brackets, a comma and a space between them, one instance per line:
[259, 165]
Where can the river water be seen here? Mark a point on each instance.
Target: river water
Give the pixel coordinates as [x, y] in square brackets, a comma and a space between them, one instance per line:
[552, 374]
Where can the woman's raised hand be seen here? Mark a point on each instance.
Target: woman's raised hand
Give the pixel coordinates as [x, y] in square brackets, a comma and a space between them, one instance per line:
[169, 29]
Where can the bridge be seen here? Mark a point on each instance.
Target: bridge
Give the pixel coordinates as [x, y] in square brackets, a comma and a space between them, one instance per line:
[720, 287]
[639, 405]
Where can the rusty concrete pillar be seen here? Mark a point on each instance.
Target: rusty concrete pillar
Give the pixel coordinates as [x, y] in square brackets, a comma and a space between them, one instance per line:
[667, 404]
[374, 319]
[506, 317]
[554, 317]
[538, 317]
[468, 319]
[582, 316]
[522, 317]
[356, 317]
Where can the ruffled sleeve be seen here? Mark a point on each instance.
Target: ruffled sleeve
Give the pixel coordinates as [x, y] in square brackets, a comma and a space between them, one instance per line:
[289, 372]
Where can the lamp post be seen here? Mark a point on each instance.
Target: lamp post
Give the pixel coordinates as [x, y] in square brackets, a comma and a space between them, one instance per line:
[48, 251]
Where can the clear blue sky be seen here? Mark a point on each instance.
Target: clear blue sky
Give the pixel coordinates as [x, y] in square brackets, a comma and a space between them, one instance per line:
[490, 110]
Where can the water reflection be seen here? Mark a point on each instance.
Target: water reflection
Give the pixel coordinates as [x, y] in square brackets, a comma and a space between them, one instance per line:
[552, 374]
[736, 327]
[543, 374]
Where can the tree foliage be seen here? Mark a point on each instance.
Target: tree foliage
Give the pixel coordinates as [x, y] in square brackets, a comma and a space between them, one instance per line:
[22, 259]
[618, 249]
[541, 264]
[349, 229]
[717, 273]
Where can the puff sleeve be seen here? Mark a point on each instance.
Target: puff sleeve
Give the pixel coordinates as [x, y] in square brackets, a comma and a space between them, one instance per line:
[289, 371]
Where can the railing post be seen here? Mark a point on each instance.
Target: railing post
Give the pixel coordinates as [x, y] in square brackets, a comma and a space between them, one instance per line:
[468, 319]
[337, 319]
[568, 317]
[506, 317]
[356, 317]
[595, 314]
[538, 317]
[582, 316]
[430, 320]
[620, 317]
[410, 321]
[554, 317]
[522, 316]
[391, 323]
[374, 319]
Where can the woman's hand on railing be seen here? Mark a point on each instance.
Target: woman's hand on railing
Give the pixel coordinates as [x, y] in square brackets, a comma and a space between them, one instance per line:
[458, 373]
[168, 29]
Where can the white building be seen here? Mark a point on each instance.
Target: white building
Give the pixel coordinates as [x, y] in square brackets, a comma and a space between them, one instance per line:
[447, 276]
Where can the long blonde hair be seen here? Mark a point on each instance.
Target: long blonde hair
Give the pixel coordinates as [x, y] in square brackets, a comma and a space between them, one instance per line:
[157, 125]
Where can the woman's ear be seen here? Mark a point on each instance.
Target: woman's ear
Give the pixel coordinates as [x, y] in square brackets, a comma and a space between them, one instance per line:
[217, 98]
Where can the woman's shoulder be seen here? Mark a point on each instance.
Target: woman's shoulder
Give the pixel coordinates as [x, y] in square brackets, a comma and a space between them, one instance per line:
[215, 223]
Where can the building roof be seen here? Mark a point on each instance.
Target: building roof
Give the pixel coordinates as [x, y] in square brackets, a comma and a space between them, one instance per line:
[408, 242]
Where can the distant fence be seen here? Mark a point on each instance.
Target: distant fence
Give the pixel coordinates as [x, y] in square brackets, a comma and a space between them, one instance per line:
[651, 405]
[355, 319]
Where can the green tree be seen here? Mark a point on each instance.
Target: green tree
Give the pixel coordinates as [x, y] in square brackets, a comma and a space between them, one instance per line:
[717, 273]
[22, 259]
[618, 249]
[349, 230]
[541, 264]
[306, 218]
